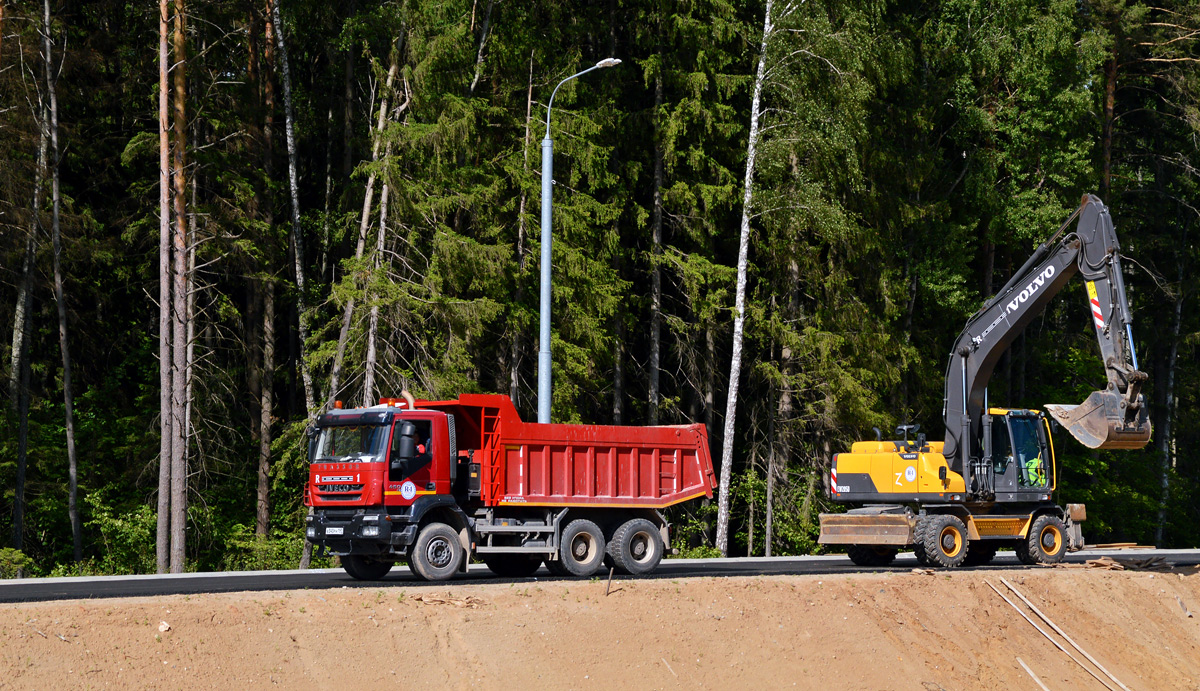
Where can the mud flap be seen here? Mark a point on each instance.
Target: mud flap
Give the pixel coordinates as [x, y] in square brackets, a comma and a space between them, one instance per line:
[1102, 422]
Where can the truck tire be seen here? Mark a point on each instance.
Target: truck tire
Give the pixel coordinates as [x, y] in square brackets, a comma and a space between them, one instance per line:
[980, 554]
[363, 568]
[437, 553]
[581, 550]
[1047, 541]
[871, 555]
[636, 547]
[945, 540]
[513, 565]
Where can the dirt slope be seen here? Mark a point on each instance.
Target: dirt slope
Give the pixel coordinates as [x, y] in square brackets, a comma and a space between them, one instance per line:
[899, 630]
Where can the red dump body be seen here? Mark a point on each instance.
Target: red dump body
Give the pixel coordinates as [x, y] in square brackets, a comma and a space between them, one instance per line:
[531, 464]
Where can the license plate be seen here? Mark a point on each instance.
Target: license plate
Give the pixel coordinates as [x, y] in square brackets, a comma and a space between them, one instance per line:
[333, 531]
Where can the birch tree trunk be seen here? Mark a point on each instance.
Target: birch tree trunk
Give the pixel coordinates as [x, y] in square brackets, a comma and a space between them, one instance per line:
[363, 224]
[56, 242]
[294, 195]
[373, 325]
[22, 317]
[483, 37]
[739, 318]
[163, 539]
[514, 360]
[179, 302]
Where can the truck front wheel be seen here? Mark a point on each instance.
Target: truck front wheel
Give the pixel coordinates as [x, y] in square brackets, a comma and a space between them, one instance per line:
[364, 568]
[582, 548]
[437, 554]
[637, 547]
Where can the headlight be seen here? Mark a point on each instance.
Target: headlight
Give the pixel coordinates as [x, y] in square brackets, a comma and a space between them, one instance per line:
[312, 532]
[370, 531]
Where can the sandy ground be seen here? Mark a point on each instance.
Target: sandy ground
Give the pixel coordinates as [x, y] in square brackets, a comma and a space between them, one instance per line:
[900, 630]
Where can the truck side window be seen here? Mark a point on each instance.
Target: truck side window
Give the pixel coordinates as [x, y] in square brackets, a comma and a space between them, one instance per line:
[424, 450]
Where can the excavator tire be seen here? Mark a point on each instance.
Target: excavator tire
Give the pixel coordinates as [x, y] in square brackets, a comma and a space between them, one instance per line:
[945, 540]
[1047, 541]
[919, 541]
[980, 554]
[871, 555]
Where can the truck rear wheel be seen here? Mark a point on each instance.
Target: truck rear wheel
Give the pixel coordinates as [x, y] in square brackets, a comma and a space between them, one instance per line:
[513, 565]
[437, 554]
[582, 548]
[636, 547]
[1047, 541]
[945, 540]
[871, 555]
[365, 568]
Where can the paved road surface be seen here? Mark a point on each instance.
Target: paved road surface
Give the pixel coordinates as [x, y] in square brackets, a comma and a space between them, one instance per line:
[37, 589]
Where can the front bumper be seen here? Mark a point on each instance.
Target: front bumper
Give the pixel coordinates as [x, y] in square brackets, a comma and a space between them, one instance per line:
[369, 533]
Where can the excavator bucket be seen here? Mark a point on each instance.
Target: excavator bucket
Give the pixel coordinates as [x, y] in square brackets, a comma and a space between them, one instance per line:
[1100, 422]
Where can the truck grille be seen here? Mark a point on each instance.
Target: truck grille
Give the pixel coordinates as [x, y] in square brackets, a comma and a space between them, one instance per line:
[340, 492]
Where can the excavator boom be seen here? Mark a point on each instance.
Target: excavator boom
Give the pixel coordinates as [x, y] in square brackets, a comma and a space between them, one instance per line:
[1111, 418]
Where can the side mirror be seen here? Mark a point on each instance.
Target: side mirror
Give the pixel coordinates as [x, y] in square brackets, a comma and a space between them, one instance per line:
[942, 473]
[405, 447]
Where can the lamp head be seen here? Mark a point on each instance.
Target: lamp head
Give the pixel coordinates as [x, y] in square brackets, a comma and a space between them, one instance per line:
[609, 62]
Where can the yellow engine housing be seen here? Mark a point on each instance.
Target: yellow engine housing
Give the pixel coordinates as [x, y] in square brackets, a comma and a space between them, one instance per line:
[891, 471]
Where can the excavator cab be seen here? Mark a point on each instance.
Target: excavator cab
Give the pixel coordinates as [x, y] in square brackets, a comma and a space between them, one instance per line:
[1018, 456]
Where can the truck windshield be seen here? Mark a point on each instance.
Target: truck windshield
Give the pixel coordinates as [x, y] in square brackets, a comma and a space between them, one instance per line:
[357, 443]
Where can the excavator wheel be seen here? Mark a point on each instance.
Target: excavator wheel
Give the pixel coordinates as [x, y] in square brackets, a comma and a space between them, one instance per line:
[1047, 541]
[945, 540]
[919, 542]
[871, 555]
[980, 554]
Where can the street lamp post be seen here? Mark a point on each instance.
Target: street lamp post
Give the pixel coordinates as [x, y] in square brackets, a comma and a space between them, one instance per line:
[547, 202]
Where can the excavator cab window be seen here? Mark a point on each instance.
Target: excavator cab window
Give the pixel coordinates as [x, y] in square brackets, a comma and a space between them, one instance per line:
[1001, 447]
[1027, 451]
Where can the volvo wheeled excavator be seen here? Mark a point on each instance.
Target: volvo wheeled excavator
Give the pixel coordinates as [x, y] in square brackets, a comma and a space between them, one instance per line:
[991, 482]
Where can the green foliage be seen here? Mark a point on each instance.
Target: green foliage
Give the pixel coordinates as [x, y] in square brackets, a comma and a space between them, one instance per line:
[12, 561]
[913, 156]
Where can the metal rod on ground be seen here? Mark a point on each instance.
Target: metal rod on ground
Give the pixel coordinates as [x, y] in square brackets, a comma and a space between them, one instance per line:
[1063, 634]
[610, 573]
[1056, 643]
[1031, 674]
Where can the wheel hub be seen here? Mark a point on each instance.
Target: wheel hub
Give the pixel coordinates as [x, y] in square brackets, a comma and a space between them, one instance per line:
[439, 553]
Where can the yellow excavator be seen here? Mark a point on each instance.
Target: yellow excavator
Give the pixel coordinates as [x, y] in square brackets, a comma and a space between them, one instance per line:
[991, 482]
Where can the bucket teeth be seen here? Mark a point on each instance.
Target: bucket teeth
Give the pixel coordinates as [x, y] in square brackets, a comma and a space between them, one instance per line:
[1100, 422]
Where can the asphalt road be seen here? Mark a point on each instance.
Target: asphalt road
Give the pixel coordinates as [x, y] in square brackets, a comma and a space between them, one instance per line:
[81, 588]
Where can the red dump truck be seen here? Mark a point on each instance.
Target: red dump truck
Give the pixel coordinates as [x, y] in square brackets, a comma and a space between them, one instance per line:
[433, 483]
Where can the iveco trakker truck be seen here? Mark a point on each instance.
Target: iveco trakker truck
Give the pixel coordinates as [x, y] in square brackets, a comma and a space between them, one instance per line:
[434, 483]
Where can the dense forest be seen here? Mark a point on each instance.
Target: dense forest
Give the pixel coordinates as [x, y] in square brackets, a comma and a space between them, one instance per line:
[218, 217]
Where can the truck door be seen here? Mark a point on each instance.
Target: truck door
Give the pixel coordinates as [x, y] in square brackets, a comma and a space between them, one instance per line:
[410, 478]
[1003, 468]
[1033, 472]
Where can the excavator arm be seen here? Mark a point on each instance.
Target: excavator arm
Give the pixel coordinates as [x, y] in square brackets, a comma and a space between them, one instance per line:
[1111, 418]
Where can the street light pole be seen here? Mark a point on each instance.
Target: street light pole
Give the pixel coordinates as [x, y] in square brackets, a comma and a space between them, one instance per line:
[547, 202]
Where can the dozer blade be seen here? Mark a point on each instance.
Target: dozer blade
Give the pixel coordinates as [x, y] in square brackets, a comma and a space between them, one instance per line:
[1100, 422]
